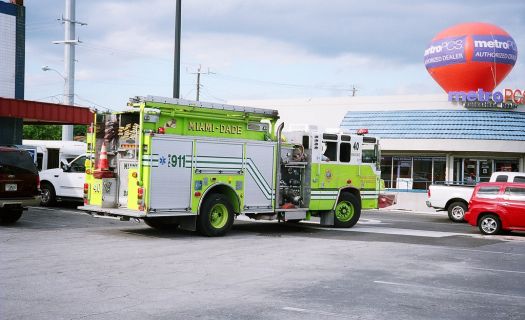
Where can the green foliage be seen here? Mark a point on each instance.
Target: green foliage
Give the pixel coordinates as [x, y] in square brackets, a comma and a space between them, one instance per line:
[42, 132]
[50, 132]
[79, 130]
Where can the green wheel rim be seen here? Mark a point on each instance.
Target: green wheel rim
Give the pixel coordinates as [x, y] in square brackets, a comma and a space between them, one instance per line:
[218, 216]
[344, 211]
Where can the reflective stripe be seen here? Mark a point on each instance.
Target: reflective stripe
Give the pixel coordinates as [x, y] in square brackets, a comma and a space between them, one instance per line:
[150, 160]
[204, 162]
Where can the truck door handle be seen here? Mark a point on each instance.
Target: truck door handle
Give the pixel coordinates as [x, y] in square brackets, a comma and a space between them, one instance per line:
[56, 175]
[505, 204]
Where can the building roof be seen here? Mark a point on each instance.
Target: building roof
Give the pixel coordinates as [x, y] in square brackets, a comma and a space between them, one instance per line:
[439, 124]
[329, 111]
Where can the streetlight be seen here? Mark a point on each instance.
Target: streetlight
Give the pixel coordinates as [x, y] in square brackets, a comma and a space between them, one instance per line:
[47, 68]
[67, 130]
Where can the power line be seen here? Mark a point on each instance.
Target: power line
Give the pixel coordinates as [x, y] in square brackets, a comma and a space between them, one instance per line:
[94, 103]
[56, 96]
[188, 93]
[283, 84]
[207, 92]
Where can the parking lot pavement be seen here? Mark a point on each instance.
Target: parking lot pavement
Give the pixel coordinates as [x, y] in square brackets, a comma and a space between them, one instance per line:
[62, 264]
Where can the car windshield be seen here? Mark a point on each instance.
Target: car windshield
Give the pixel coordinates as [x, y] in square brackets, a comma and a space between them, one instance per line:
[16, 161]
[78, 165]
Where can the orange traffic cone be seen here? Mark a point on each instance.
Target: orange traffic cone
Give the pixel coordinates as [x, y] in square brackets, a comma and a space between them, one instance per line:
[103, 164]
[102, 170]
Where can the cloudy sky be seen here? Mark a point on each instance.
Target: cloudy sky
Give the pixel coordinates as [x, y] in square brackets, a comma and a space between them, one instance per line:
[254, 49]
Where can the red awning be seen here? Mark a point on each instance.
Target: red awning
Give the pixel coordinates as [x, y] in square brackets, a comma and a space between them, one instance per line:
[34, 112]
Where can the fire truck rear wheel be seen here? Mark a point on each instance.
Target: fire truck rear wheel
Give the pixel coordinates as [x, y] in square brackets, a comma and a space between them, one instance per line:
[347, 211]
[216, 216]
[161, 224]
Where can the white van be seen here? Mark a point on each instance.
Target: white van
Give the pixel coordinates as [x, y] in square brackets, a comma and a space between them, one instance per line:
[51, 154]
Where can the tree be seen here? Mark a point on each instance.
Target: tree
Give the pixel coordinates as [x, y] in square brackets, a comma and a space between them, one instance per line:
[79, 130]
[42, 132]
[49, 132]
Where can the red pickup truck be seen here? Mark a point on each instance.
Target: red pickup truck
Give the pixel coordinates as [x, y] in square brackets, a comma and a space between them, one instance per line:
[497, 206]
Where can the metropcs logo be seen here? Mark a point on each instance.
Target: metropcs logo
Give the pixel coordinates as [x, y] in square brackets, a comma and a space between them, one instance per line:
[507, 96]
[485, 48]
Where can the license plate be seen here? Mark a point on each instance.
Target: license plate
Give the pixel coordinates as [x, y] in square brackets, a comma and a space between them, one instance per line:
[10, 187]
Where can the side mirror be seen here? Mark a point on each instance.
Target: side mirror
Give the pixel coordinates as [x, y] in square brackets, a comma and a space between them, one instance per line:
[64, 165]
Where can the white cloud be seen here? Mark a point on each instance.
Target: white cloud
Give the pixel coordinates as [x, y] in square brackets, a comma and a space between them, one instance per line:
[378, 46]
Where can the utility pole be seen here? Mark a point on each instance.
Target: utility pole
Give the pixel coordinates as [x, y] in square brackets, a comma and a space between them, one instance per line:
[198, 73]
[69, 61]
[176, 55]
[354, 90]
[198, 83]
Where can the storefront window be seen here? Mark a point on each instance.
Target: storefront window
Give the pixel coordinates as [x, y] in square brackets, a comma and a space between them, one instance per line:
[386, 171]
[440, 167]
[419, 172]
[403, 173]
[412, 173]
[472, 171]
[507, 165]
[422, 172]
[458, 171]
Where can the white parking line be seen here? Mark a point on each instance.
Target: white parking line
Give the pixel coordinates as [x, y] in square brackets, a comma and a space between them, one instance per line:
[398, 231]
[496, 270]
[319, 312]
[367, 228]
[432, 288]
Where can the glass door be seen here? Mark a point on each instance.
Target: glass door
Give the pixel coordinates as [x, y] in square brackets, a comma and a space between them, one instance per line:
[476, 170]
[470, 171]
[484, 170]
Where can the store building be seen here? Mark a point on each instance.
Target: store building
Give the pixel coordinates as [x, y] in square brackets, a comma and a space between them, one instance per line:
[424, 138]
[12, 65]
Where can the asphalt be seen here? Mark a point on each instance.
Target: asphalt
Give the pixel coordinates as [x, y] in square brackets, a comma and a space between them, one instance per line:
[62, 264]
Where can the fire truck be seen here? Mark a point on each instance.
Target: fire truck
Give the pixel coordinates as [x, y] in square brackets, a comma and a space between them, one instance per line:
[197, 166]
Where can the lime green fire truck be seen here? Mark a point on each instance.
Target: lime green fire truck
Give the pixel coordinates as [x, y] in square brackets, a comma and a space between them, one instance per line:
[197, 165]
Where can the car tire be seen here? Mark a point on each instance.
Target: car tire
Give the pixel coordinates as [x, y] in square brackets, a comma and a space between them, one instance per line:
[216, 216]
[347, 211]
[456, 211]
[161, 224]
[48, 195]
[489, 224]
[8, 217]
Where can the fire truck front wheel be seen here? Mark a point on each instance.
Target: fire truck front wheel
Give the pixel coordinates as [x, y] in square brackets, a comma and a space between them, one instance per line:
[347, 211]
[216, 216]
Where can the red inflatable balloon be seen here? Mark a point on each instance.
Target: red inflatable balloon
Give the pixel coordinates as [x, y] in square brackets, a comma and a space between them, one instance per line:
[471, 56]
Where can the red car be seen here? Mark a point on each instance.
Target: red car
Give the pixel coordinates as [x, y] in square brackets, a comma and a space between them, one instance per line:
[497, 206]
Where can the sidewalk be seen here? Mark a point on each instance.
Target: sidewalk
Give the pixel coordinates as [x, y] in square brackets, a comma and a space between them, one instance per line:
[411, 201]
